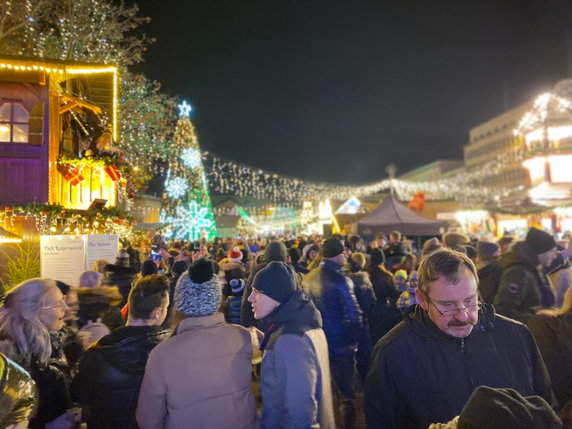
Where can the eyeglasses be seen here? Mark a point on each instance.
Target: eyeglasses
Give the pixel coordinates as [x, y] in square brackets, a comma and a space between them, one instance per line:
[61, 304]
[468, 308]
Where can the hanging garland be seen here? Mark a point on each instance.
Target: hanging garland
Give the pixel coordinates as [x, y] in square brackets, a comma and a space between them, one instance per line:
[101, 161]
[54, 219]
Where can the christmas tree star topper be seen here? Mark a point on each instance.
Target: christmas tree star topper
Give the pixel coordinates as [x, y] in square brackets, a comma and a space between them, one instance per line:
[185, 109]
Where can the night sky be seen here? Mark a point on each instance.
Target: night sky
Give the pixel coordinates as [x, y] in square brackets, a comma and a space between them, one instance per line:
[336, 90]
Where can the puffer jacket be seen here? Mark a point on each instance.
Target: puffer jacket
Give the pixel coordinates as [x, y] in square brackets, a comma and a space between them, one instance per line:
[18, 393]
[333, 293]
[52, 383]
[442, 371]
[523, 288]
[200, 378]
[110, 375]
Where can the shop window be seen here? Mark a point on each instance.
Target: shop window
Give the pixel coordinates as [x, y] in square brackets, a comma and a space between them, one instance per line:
[14, 123]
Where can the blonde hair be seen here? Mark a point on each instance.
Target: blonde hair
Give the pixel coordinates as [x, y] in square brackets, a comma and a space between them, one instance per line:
[99, 265]
[90, 279]
[315, 262]
[559, 311]
[359, 259]
[20, 323]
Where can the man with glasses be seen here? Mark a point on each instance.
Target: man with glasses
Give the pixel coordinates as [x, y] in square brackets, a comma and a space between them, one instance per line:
[425, 369]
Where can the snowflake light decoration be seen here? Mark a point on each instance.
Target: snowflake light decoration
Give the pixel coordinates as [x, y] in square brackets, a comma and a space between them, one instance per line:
[189, 221]
[191, 157]
[177, 187]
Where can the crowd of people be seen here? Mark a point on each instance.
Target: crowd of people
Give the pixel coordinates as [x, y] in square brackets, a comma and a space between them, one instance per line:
[281, 332]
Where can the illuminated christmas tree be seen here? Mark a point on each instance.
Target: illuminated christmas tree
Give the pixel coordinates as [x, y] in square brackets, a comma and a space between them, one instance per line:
[188, 207]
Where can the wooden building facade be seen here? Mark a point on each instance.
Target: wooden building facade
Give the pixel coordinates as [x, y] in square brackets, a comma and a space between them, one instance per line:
[54, 117]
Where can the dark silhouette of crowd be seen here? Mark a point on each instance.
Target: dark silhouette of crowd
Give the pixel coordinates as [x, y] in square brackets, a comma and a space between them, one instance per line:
[304, 332]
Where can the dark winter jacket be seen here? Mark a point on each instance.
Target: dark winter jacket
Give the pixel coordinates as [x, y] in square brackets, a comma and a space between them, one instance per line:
[120, 276]
[110, 375]
[383, 315]
[299, 268]
[233, 309]
[276, 251]
[442, 371]
[524, 288]
[366, 300]
[53, 385]
[382, 283]
[363, 290]
[295, 377]
[553, 334]
[489, 280]
[333, 293]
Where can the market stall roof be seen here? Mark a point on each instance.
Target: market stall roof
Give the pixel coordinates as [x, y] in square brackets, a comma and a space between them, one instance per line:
[392, 215]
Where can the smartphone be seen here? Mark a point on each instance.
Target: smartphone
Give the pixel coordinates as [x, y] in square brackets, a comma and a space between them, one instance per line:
[155, 254]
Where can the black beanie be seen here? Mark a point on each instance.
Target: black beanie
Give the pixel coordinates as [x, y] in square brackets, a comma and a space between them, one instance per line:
[332, 248]
[539, 241]
[377, 256]
[506, 408]
[276, 281]
[294, 254]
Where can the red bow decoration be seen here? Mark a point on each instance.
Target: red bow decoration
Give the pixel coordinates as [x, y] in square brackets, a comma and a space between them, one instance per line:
[113, 172]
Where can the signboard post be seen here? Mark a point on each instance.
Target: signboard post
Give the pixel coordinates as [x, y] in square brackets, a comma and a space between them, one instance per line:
[66, 257]
[62, 257]
[101, 246]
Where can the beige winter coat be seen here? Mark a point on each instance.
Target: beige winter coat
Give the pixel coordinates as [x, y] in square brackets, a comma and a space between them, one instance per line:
[199, 378]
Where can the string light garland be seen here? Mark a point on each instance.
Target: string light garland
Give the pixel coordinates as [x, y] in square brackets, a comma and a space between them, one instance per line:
[468, 186]
[54, 219]
[148, 118]
[79, 30]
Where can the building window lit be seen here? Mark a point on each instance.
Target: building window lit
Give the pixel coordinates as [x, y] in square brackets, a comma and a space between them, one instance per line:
[14, 123]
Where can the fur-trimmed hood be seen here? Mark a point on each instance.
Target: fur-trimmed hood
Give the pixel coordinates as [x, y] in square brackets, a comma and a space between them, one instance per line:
[119, 270]
[99, 294]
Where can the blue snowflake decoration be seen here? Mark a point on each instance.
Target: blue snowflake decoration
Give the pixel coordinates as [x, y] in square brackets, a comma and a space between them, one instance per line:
[185, 109]
[189, 221]
[176, 187]
[191, 157]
